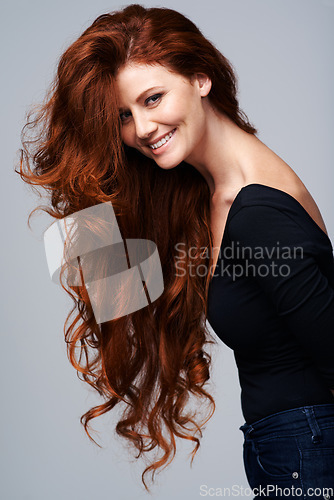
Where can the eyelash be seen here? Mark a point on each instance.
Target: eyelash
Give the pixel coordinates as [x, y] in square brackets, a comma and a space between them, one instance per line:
[151, 97]
[146, 101]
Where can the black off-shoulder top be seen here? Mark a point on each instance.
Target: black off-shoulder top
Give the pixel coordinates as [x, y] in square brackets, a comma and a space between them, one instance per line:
[271, 300]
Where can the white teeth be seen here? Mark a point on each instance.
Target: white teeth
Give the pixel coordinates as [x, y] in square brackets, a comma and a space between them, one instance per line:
[162, 141]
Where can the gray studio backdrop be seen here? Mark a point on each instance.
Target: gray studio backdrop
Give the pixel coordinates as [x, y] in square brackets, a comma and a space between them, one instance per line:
[282, 52]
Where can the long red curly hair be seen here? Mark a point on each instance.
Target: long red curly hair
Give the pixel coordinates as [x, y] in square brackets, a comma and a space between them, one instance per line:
[152, 360]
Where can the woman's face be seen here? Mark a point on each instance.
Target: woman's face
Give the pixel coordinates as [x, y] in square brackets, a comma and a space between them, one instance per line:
[156, 104]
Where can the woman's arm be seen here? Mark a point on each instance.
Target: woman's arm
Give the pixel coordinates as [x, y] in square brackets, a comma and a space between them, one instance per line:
[299, 291]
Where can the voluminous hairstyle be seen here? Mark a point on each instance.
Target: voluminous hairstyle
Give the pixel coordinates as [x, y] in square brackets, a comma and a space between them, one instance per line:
[152, 360]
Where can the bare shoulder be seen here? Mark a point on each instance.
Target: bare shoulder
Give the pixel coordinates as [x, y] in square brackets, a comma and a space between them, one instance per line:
[281, 176]
[274, 173]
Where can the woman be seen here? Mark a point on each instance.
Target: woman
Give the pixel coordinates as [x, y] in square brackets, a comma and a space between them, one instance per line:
[144, 113]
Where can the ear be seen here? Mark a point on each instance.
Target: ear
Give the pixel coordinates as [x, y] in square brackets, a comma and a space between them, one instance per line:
[204, 84]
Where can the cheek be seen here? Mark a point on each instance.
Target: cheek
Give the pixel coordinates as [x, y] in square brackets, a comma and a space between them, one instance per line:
[180, 112]
[127, 136]
[185, 111]
[173, 111]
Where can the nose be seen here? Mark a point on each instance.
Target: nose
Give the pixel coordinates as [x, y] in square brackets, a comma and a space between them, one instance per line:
[144, 127]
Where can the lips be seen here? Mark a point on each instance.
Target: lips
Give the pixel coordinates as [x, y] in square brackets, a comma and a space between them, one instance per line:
[159, 138]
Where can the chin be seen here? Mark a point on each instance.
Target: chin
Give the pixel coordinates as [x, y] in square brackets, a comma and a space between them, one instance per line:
[168, 164]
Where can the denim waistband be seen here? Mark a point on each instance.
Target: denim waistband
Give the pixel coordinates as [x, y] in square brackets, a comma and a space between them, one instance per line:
[292, 421]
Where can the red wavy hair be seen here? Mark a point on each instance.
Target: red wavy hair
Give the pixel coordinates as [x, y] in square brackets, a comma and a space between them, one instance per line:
[153, 359]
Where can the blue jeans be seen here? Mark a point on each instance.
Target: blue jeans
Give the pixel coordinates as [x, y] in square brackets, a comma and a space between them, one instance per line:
[290, 454]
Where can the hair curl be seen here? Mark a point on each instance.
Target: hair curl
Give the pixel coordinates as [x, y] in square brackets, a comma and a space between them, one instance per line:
[153, 359]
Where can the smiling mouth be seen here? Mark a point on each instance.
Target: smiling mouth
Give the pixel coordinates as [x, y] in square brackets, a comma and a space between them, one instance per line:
[162, 141]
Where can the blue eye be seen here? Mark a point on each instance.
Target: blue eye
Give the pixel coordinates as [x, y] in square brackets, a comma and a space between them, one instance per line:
[152, 97]
[121, 115]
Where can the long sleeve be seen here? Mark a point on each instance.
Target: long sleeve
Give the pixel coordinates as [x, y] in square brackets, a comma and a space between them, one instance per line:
[282, 257]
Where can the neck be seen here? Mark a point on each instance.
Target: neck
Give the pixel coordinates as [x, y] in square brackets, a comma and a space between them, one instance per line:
[225, 154]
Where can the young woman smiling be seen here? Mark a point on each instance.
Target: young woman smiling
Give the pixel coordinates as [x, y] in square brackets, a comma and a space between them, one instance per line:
[144, 114]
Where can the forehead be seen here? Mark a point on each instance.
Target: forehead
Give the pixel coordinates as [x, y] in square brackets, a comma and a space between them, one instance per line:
[133, 79]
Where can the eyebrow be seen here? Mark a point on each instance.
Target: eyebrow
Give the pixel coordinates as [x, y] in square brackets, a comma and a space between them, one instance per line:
[142, 94]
